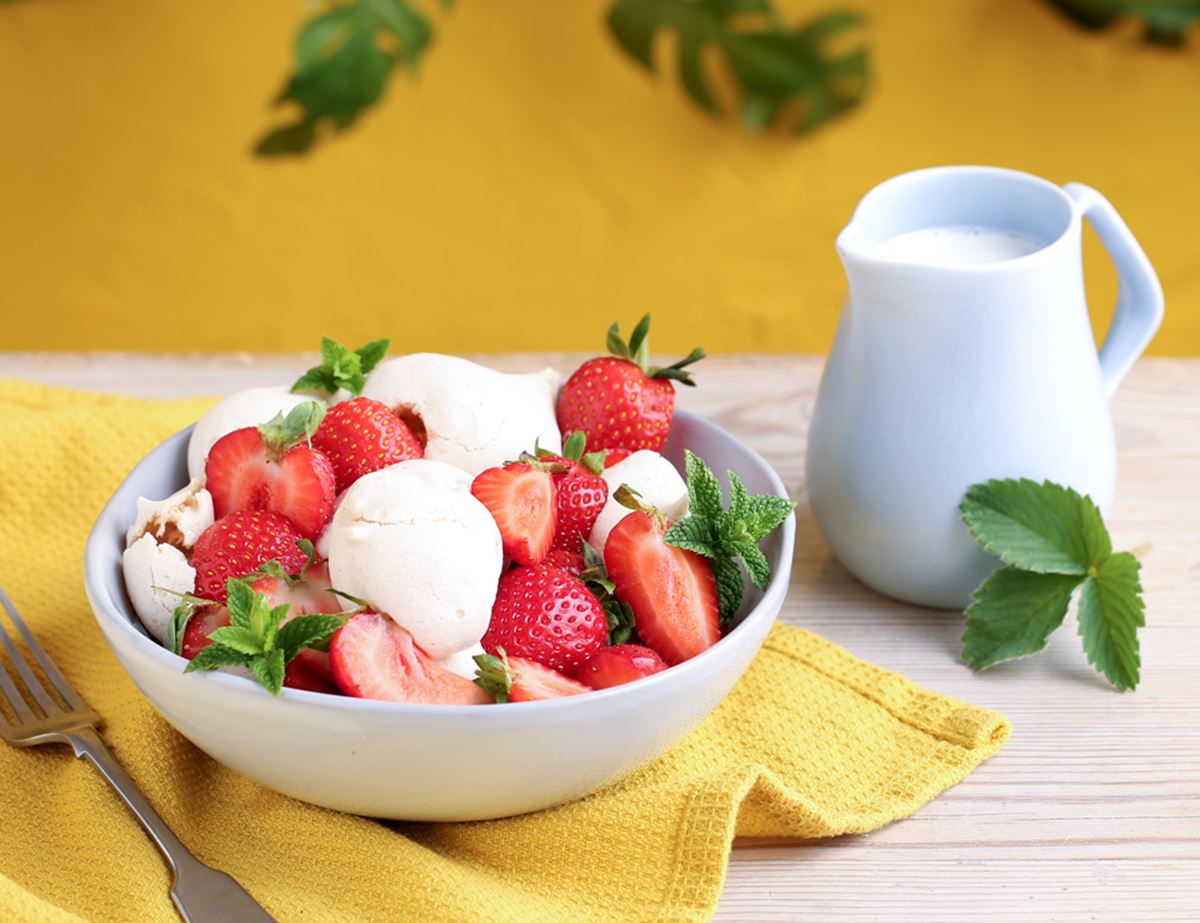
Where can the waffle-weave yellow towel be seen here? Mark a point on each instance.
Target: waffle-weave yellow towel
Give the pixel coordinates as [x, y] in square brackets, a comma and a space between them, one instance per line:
[810, 743]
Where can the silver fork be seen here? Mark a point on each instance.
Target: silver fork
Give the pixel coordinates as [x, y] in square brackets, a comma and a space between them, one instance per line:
[200, 893]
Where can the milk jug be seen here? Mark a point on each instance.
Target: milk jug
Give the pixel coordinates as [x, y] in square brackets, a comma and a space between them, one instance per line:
[963, 353]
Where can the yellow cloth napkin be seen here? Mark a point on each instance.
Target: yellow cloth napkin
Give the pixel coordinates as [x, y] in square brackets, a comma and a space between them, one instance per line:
[811, 743]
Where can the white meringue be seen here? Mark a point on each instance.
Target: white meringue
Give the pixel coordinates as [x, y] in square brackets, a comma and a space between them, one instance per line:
[474, 417]
[242, 408]
[151, 570]
[413, 542]
[650, 475]
[178, 520]
[463, 663]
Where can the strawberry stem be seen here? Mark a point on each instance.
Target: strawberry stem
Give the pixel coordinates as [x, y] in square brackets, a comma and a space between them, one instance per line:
[637, 351]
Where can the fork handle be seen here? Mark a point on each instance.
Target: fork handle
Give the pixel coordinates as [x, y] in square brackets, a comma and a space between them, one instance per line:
[201, 894]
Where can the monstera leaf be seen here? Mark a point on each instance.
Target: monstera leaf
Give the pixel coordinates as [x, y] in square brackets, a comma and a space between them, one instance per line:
[1165, 20]
[774, 66]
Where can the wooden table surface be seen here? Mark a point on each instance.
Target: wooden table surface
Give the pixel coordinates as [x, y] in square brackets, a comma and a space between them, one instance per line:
[1090, 812]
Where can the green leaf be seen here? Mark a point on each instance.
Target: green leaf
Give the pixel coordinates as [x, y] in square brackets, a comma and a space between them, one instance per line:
[1013, 615]
[341, 368]
[705, 498]
[240, 602]
[239, 639]
[493, 675]
[739, 498]
[316, 379]
[179, 620]
[776, 68]
[344, 56]
[216, 655]
[371, 354]
[269, 670]
[307, 631]
[730, 588]
[280, 432]
[1166, 21]
[693, 534]
[1046, 528]
[1110, 613]
[756, 564]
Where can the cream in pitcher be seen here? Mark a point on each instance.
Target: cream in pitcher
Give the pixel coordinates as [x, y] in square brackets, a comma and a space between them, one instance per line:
[964, 352]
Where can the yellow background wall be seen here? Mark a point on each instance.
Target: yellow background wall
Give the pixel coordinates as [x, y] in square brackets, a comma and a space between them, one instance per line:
[533, 184]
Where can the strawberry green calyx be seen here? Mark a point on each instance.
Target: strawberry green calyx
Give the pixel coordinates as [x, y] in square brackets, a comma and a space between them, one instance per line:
[274, 569]
[632, 500]
[637, 351]
[621, 627]
[280, 433]
[727, 535]
[494, 675]
[257, 639]
[573, 450]
[341, 367]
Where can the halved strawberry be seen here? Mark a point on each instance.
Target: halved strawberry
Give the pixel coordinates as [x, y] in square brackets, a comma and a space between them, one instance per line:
[240, 543]
[580, 491]
[304, 593]
[621, 663]
[521, 499]
[361, 436]
[671, 591]
[271, 467]
[515, 679]
[374, 658]
[570, 561]
[203, 622]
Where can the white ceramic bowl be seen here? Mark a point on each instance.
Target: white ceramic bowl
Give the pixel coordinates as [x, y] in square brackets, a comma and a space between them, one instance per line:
[431, 762]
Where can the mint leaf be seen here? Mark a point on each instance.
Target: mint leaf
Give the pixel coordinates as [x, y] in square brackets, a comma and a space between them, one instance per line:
[216, 655]
[1013, 615]
[693, 534]
[341, 368]
[1110, 613]
[775, 67]
[240, 602]
[316, 379]
[756, 564]
[739, 498]
[268, 670]
[239, 639]
[730, 588]
[307, 631]
[764, 514]
[1046, 528]
[370, 354]
[704, 490]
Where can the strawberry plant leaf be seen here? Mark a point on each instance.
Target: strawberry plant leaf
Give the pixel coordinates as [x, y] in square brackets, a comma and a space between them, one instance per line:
[344, 56]
[775, 67]
[1013, 614]
[1110, 613]
[1045, 528]
[493, 674]
[307, 631]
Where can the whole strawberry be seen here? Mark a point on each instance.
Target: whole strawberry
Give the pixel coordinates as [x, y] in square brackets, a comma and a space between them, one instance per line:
[542, 613]
[239, 544]
[580, 492]
[360, 436]
[621, 401]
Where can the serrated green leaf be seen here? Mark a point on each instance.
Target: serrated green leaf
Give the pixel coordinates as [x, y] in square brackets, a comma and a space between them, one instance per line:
[1110, 613]
[178, 625]
[237, 638]
[728, 577]
[739, 497]
[774, 66]
[1013, 615]
[240, 602]
[307, 631]
[371, 354]
[765, 513]
[269, 670]
[1045, 528]
[705, 498]
[316, 379]
[756, 564]
[216, 655]
[693, 534]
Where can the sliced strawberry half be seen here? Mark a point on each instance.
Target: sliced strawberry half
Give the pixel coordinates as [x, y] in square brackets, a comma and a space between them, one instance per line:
[304, 593]
[203, 622]
[521, 498]
[374, 658]
[619, 664]
[671, 591]
[515, 679]
[272, 467]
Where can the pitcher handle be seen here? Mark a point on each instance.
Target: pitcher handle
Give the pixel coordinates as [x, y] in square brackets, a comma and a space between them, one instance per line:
[1139, 310]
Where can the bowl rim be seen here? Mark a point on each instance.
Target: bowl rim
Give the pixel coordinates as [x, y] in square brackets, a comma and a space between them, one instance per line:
[766, 608]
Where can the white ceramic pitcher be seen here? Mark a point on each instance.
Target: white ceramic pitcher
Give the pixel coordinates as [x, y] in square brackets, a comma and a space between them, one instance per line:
[942, 375]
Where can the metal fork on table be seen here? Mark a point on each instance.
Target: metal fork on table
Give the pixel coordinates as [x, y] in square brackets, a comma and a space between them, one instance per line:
[201, 894]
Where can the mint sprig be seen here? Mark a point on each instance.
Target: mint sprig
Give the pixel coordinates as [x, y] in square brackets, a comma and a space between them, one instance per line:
[1054, 543]
[341, 367]
[256, 637]
[727, 535]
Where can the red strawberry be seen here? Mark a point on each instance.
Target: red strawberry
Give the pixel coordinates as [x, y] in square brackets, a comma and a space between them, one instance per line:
[203, 622]
[671, 591]
[569, 561]
[515, 679]
[544, 614]
[520, 497]
[580, 491]
[304, 593]
[374, 658]
[621, 401]
[361, 436]
[622, 663]
[612, 456]
[271, 467]
[239, 544]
